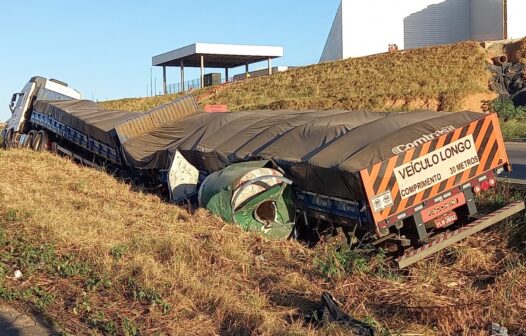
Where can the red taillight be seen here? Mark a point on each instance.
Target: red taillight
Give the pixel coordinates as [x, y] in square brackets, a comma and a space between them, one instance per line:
[485, 185]
[492, 182]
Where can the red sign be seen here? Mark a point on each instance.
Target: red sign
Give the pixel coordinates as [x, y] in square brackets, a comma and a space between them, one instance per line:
[216, 108]
[443, 207]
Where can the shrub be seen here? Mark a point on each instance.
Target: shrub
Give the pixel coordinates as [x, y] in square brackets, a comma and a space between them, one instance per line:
[506, 110]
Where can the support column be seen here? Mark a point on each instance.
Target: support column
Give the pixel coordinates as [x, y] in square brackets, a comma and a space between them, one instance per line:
[202, 71]
[182, 77]
[164, 80]
[269, 66]
[226, 75]
[246, 70]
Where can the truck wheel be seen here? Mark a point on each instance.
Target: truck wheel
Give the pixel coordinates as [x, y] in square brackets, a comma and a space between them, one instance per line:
[3, 133]
[41, 141]
[16, 140]
[30, 139]
[8, 138]
[54, 148]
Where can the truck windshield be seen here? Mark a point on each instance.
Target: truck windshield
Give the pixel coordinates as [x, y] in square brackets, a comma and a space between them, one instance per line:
[16, 101]
[20, 100]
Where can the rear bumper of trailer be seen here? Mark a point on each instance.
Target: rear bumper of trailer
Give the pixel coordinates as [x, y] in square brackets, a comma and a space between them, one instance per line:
[441, 242]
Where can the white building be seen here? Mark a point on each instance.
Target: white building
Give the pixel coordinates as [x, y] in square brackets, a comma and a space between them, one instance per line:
[363, 28]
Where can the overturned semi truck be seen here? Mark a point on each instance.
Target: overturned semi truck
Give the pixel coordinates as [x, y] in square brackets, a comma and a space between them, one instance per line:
[403, 181]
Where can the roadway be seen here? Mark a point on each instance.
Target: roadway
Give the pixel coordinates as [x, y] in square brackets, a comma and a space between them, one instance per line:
[517, 155]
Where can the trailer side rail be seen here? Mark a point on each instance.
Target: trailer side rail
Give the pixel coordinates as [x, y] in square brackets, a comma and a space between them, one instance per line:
[76, 137]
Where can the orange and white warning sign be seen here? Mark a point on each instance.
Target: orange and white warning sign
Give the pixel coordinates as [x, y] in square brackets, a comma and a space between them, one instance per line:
[436, 167]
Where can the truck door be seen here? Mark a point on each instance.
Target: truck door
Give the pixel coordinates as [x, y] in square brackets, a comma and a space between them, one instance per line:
[19, 106]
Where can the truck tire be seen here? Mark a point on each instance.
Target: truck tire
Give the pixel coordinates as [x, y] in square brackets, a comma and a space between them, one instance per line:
[16, 142]
[8, 138]
[3, 133]
[54, 148]
[40, 142]
[28, 143]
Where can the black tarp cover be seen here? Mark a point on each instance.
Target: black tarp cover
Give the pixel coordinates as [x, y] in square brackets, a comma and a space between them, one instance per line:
[321, 151]
[87, 117]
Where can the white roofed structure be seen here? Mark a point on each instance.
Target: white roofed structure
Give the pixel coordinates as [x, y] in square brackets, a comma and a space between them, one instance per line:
[209, 55]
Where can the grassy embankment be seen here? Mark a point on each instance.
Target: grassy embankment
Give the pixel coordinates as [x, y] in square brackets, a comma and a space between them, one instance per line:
[452, 77]
[437, 77]
[98, 256]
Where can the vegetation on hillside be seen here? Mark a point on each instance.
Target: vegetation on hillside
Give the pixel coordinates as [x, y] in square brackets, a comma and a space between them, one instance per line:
[98, 256]
[435, 78]
[138, 104]
[514, 129]
[440, 76]
[513, 118]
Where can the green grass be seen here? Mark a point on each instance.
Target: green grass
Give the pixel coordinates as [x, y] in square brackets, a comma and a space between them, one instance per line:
[513, 118]
[513, 129]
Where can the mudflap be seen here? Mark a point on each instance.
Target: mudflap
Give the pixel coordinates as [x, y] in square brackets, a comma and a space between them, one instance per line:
[453, 237]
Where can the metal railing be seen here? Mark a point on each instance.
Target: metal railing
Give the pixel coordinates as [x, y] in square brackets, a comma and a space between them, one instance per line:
[190, 85]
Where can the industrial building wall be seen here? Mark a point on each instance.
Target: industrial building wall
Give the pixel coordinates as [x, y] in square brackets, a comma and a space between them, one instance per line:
[333, 49]
[516, 19]
[370, 26]
[443, 23]
[363, 28]
[487, 20]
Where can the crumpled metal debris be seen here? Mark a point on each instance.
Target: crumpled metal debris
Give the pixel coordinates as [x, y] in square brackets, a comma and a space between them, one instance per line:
[497, 330]
[509, 80]
[329, 311]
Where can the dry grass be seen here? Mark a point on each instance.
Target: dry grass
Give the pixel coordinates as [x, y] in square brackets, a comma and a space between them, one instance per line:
[443, 74]
[432, 78]
[133, 263]
[516, 51]
[138, 104]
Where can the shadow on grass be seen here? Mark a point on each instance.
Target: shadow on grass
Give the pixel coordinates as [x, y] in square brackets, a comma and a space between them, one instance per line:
[16, 323]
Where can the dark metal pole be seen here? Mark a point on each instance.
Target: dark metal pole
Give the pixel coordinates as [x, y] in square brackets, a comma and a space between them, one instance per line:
[164, 79]
[182, 76]
[202, 71]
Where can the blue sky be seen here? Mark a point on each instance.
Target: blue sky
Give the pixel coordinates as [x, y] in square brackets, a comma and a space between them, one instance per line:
[104, 48]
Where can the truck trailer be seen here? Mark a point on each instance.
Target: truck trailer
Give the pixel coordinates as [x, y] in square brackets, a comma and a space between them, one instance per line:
[402, 181]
